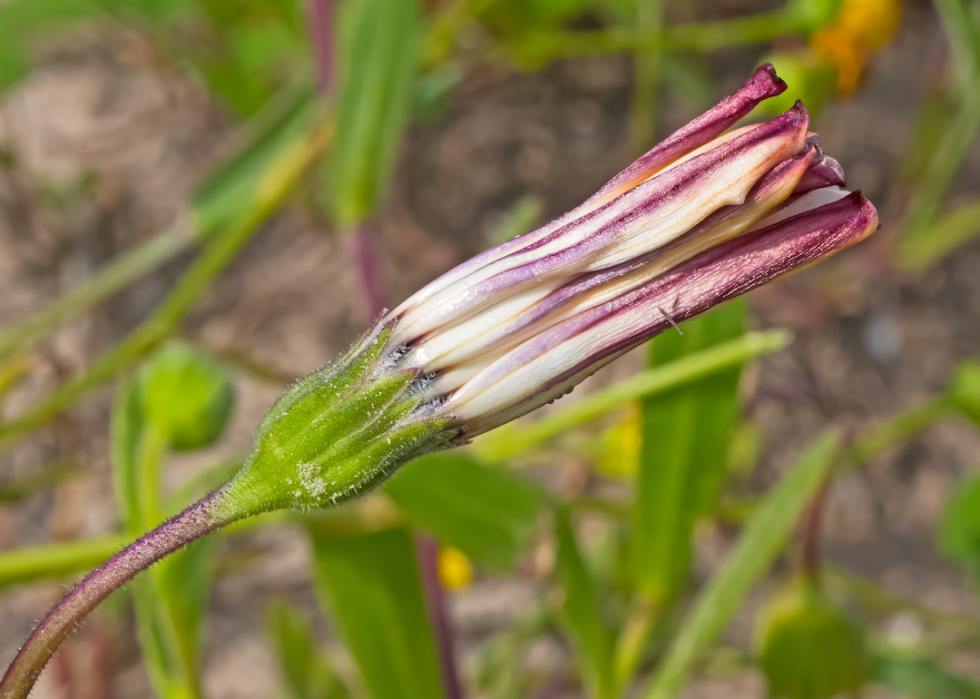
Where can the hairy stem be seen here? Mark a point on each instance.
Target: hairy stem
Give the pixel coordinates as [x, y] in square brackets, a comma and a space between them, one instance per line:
[199, 519]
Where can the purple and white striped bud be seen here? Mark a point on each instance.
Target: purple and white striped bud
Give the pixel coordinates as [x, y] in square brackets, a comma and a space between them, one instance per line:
[703, 217]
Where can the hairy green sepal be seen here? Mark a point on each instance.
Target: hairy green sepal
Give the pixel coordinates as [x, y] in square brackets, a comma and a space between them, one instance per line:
[334, 435]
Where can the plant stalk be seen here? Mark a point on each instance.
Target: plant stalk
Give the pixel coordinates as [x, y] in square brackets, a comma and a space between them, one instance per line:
[201, 518]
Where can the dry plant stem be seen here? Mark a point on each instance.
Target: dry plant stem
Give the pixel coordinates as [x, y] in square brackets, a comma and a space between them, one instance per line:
[191, 524]
[319, 24]
[427, 553]
[808, 533]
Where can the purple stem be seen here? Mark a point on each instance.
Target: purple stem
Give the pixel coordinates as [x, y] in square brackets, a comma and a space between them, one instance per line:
[197, 520]
[365, 261]
[319, 24]
[427, 553]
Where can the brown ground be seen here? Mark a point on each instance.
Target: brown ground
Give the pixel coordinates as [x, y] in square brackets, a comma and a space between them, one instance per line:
[120, 139]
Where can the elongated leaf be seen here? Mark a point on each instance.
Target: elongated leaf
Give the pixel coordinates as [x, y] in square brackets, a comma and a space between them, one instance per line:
[922, 678]
[581, 610]
[57, 560]
[370, 584]
[378, 54]
[757, 547]
[685, 436]
[488, 513]
[305, 670]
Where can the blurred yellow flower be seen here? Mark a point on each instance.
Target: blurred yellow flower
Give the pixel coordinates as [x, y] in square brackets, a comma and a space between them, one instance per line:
[455, 569]
[861, 27]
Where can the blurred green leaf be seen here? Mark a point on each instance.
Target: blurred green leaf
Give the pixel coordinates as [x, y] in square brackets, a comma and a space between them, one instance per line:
[304, 668]
[21, 21]
[581, 614]
[942, 237]
[808, 647]
[685, 435]
[288, 120]
[371, 586]
[379, 42]
[489, 514]
[921, 678]
[964, 390]
[57, 560]
[958, 533]
[757, 547]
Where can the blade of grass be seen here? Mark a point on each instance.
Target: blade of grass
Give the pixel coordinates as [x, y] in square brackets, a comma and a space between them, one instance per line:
[755, 551]
[215, 203]
[269, 194]
[581, 611]
[508, 443]
[57, 560]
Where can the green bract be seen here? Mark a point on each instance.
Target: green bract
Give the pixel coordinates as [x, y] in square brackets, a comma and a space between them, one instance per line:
[186, 396]
[808, 647]
[335, 434]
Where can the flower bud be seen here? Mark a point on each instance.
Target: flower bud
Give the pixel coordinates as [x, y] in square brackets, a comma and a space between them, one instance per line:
[186, 396]
[703, 217]
[808, 648]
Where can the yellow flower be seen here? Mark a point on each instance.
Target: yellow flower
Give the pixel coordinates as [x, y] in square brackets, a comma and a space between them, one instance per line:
[861, 27]
[455, 569]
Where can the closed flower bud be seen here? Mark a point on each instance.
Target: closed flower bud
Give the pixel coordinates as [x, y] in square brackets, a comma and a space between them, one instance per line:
[186, 396]
[808, 647]
[703, 217]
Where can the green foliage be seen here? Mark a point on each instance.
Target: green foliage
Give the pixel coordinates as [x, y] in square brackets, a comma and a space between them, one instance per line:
[958, 534]
[186, 396]
[921, 678]
[581, 612]
[489, 514]
[370, 587]
[685, 436]
[305, 670]
[170, 599]
[758, 546]
[378, 55]
[964, 390]
[808, 647]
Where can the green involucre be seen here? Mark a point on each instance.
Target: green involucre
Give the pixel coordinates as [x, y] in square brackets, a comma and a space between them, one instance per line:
[334, 435]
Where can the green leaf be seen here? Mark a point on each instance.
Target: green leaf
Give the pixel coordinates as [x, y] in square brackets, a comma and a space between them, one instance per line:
[964, 390]
[922, 678]
[581, 611]
[371, 586]
[287, 121]
[755, 551]
[379, 41]
[57, 560]
[489, 514]
[958, 533]
[685, 434]
[304, 668]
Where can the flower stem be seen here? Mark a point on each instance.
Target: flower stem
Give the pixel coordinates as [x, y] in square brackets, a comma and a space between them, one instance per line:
[199, 519]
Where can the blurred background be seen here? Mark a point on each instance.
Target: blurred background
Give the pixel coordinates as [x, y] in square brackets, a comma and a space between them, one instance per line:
[225, 192]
